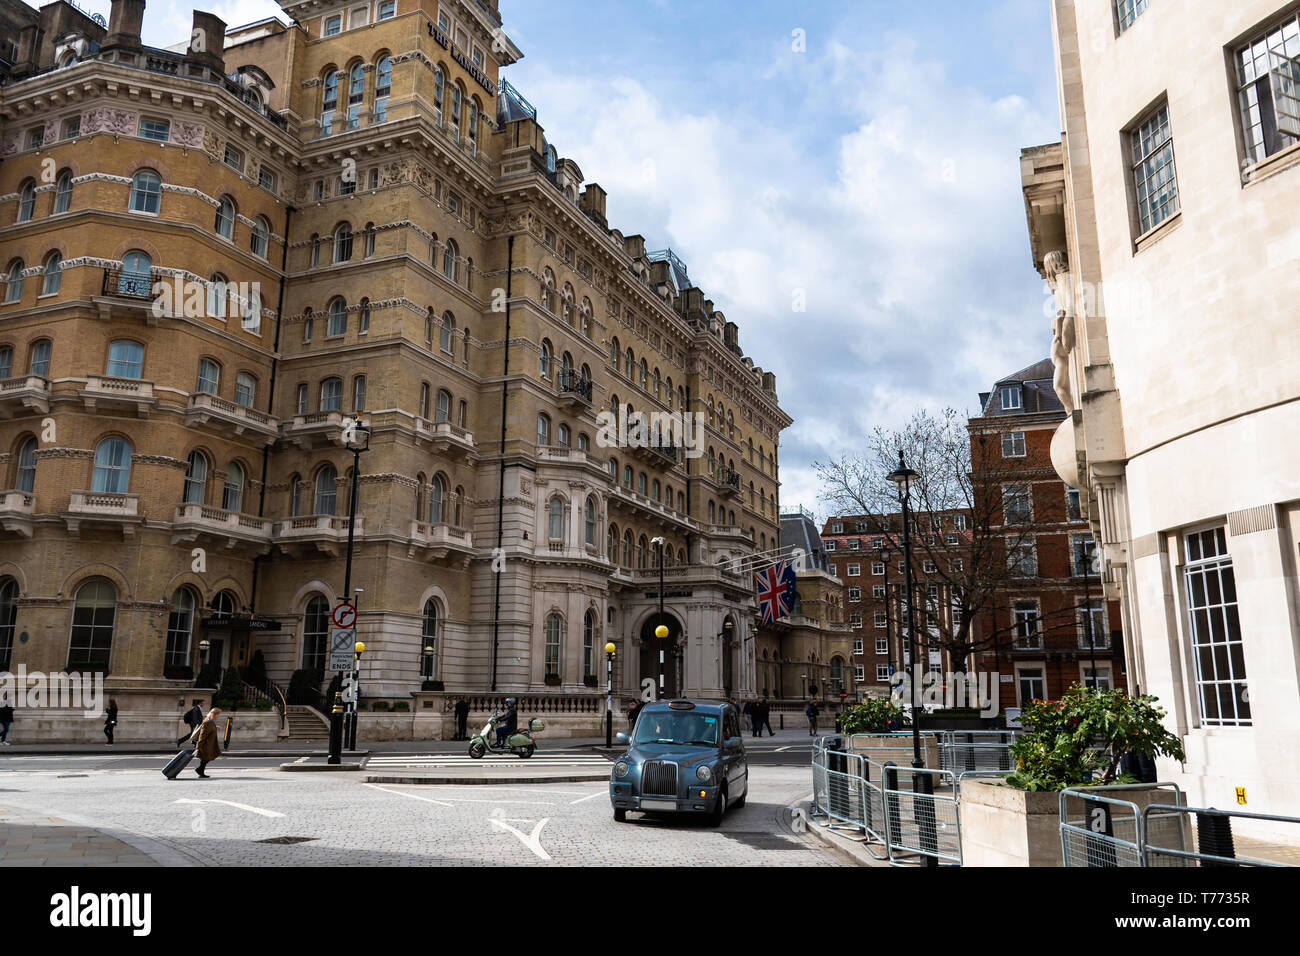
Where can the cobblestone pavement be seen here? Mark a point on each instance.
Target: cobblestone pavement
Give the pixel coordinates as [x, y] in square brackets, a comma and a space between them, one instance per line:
[259, 816]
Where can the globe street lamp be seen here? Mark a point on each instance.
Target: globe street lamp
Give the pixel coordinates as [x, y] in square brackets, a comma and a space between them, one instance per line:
[903, 478]
[609, 693]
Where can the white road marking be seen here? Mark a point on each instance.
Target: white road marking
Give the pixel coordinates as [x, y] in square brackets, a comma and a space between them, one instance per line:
[779, 750]
[413, 796]
[593, 796]
[301, 760]
[533, 840]
[240, 806]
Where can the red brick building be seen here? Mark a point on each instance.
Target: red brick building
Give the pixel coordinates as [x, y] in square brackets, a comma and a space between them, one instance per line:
[1050, 550]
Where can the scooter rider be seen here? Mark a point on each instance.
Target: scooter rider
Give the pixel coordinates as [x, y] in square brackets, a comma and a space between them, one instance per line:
[508, 722]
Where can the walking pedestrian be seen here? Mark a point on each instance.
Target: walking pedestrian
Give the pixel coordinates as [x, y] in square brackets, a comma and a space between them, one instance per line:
[765, 718]
[6, 718]
[462, 717]
[811, 713]
[208, 745]
[110, 719]
[193, 718]
[748, 711]
[633, 713]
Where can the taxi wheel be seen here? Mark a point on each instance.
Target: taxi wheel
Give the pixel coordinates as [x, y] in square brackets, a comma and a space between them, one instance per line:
[719, 809]
[740, 801]
[620, 816]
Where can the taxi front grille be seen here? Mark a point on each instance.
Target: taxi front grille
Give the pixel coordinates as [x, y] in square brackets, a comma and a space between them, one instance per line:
[659, 777]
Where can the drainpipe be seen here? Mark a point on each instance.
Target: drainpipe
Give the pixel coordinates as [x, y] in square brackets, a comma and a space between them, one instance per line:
[270, 395]
[501, 481]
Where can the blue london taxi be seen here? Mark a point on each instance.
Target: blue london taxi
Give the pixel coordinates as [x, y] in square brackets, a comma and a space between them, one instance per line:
[684, 756]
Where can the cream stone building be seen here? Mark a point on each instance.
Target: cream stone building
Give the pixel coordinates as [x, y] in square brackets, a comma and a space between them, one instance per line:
[218, 255]
[1164, 222]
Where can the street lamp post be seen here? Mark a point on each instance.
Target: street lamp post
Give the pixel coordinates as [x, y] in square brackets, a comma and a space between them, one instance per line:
[884, 554]
[902, 477]
[609, 694]
[357, 438]
[661, 630]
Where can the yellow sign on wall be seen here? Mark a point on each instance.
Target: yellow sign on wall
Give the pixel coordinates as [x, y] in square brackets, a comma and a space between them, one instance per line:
[1241, 794]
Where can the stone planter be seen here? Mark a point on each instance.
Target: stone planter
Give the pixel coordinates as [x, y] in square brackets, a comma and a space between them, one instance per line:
[1003, 826]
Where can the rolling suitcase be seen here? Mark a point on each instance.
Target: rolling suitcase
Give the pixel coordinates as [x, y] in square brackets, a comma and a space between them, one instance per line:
[177, 764]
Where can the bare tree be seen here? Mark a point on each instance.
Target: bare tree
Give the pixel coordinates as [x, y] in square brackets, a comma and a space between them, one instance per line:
[979, 568]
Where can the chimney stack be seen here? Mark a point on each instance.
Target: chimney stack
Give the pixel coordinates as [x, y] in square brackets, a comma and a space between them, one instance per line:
[208, 42]
[124, 22]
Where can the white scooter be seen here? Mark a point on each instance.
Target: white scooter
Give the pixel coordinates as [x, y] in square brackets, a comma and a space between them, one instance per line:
[520, 743]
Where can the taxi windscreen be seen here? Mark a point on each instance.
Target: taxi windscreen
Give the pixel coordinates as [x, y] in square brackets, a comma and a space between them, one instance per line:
[675, 727]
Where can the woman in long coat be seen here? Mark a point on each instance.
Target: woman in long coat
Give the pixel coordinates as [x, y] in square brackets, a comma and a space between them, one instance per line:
[110, 719]
[208, 746]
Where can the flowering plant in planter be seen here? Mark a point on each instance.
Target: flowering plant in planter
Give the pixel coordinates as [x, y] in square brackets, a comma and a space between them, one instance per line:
[1085, 733]
[873, 716]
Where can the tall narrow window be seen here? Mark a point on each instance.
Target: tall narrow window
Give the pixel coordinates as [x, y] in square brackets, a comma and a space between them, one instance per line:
[437, 500]
[53, 274]
[449, 260]
[94, 609]
[245, 389]
[356, 94]
[329, 102]
[553, 627]
[225, 224]
[26, 201]
[1154, 179]
[589, 522]
[38, 359]
[588, 643]
[359, 393]
[326, 490]
[1268, 89]
[112, 474]
[439, 87]
[443, 413]
[331, 395]
[343, 242]
[429, 637]
[8, 617]
[196, 478]
[555, 519]
[180, 625]
[14, 282]
[315, 633]
[125, 359]
[445, 332]
[27, 466]
[364, 323]
[146, 192]
[232, 492]
[383, 84]
[261, 236]
[63, 193]
[338, 317]
[1217, 649]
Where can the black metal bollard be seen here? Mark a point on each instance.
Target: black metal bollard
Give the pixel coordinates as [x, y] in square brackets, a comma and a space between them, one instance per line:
[336, 733]
[1214, 837]
[923, 812]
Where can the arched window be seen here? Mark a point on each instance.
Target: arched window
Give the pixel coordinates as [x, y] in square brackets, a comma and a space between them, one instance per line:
[315, 632]
[112, 474]
[668, 391]
[180, 625]
[458, 497]
[225, 224]
[562, 435]
[217, 294]
[642, 553]
[449, 253]
[654, 489]
[712, 513]
[438, 500]
[136, 277]
[315, 250]
[443, 411]
[326, 490]
[261, 236]
[629, 364]
[614, 352]
[641, 483]
[63, 192]
[472, 127]
[14, 287]
[370, 239]
[364, 325]
[645, 375]
[445, 332]
[38, 358]
[125, 359]
[588, 643]
[53, 274]
[627, 548]
[338, 317]
[627, 477]
[424, 401]
[356, 93]
[232, 492]
[26, 478]
[196, 478]
[554, 626]
[146, 192]
[245, 389]
[8, 616]
[589, 522]
[94, 608]
[343, 242]
[543, 431]
[837, 674]
[329, 102]
[428, 324]
[429, 640]
[555, 519]
[331, 395]
[383, 86]
[544, 361]
[26, 201]
[612, 544]
[681, 501]
[439, 87]
[464, 349]
[295, 495]
[456, 96]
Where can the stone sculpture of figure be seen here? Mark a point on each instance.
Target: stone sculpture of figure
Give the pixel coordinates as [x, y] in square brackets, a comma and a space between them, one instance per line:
[1057, 269]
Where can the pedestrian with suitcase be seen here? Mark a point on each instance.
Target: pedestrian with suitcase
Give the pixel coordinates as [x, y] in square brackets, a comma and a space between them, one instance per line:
[207, 744]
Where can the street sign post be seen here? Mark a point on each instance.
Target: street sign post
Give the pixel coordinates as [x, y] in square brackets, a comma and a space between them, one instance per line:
[341, 641]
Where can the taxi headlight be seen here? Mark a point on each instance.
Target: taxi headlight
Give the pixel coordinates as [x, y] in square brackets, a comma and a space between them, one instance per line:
[702, 772]
[621, 768]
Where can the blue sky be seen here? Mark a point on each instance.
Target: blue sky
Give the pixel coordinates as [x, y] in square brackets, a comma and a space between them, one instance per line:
[874, 174]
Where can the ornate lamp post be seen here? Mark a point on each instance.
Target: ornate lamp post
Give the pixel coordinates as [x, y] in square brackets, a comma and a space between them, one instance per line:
[903, 477]
[661, 631]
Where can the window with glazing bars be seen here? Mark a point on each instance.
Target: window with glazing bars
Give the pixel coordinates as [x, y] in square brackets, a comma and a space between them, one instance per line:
[1126, 11]
[1268, 89]
[1154, 180]
[1217, 649]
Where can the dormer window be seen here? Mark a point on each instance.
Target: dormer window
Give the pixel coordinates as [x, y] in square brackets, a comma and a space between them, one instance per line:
[1010, 397]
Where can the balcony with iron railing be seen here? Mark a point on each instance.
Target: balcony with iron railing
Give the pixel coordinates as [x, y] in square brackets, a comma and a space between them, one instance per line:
[129, 284]
[24, 392]
[230, 417]
[728, 481]
[575, 388]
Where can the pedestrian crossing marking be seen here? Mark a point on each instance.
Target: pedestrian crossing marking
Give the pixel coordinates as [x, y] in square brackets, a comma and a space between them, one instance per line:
[465, 760]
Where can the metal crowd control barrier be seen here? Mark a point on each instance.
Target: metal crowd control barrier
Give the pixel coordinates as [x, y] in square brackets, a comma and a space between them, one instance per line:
[1100, 828]
[961, 750]
[921, 815]
[1194, 836]
[838, 784]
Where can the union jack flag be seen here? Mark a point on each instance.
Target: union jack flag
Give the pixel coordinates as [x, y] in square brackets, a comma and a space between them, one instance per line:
[776, 593]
